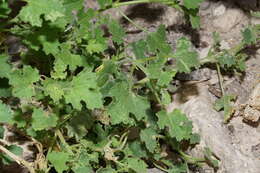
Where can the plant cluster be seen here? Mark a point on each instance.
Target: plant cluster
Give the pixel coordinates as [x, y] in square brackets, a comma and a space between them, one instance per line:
[87, 105]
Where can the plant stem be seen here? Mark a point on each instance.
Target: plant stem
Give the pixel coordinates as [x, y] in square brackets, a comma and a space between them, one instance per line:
[119, 4]
[18, 160]
[191, 159]
[159, 167]
[132, 22]
[220, 78]
[63, 141]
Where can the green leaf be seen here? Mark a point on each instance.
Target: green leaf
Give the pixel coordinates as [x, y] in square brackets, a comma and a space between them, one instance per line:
[195, 21]
[165, 77]
[185, 57]
[192, 4]
[137, 165]
[58, 160]
[18, 151]
[95, 47]
[79, 124]
[157, 42]
[22, 82]
[166, 97]
[104, 3]
[255, 14]
[240, 64]
[53, 88]
[6, 114]
[84, 84]
[59, 70]
[46, 37]
[83, 87]
[225, 103]
[249, 36]
[43, 120]
[106, 170]
[97, 43]
[195, 139]
[69, 59]
[86, 158]
[136, 149]
[179, 168]
[2, 130]
[117, 31]
[63, 59]
[226, 60]
[72, 5]
[4, 9]
[50, 9]
[139, 49]
[177, 123]
[5, 67]
[5, 92]
[82, 169]
[155, 66]
[125, 102]
[209, 156]
[148, 136]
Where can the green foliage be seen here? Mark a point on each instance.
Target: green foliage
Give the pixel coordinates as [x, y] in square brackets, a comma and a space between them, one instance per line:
[148, 136]
[5, 67]
[210, 157]
[4, 9]
[35, 8]
[6, 113]
[125, 102]
[192, 4]
[225, 104]
[92, 106]
[85, 86]
[178, 125]
[22, 81]
[186, 58]
[255, 13]
[42, 121]
[58, 159]
[137, 165]
[117, 31]
[250, 35]
[13, 149]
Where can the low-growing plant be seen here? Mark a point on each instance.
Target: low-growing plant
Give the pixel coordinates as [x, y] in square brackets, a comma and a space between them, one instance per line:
[87, 105]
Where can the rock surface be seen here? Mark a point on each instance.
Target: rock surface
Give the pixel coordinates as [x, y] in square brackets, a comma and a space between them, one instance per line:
[209, 124]
[252, 110]
[224, 23]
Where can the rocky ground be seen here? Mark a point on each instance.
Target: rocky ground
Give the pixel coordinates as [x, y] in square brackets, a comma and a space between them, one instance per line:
[236, 144]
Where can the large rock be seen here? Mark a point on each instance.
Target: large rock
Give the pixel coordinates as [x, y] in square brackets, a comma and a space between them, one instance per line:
[214, 134]
[252, 110]
[225, 22]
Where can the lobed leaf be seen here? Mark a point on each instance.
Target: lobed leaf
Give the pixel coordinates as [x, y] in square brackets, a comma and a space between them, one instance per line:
[177, 124]
[22, 81]
[50, 9]
[58, 160]
[185, 57]
[6, 114]
[43, 120]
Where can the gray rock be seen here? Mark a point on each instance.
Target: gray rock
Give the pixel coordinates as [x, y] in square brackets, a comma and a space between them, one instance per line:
[209, 124]
[227, 21]
[204, 5]
[219, 10]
